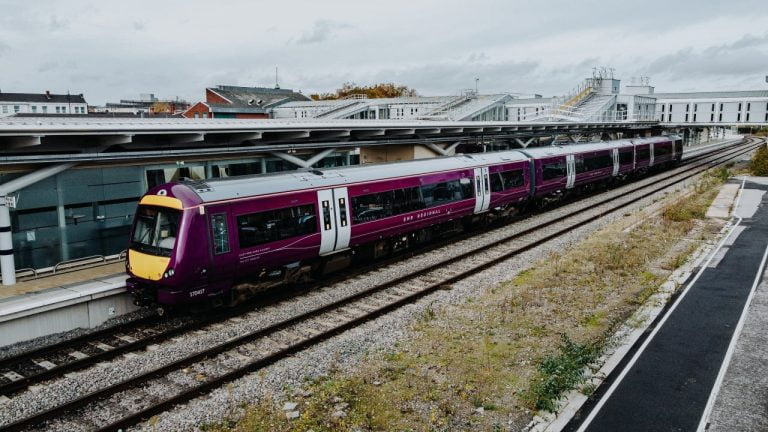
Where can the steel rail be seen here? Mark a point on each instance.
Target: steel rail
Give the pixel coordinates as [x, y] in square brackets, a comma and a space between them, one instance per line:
[131, 382]
[13, 363]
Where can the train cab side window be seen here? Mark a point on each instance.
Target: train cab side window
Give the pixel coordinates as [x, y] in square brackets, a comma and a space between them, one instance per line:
[274, 225]
[220, 233]
[553, 170]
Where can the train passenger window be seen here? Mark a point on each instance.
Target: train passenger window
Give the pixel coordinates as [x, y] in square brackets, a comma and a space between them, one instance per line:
[643, 153]
[553, 170]
[269, 226]
[497, 184]
[512, 178]
[593, 163]
[372, 206]
[444, 192]
[407, 200]
[220, 233]
[662, 150]
[366, 208]
[578, 164]
[625, 157]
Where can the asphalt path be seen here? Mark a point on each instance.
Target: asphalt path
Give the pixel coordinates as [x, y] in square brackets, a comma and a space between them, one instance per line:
[666, 388]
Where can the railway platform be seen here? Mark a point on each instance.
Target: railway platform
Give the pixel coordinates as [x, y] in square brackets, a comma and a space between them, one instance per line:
[88, 297]
[83, 298]
[702, 367]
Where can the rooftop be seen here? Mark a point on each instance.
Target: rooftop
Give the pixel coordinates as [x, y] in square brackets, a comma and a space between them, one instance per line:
[250, 96]
[714, 94]
[42, 97]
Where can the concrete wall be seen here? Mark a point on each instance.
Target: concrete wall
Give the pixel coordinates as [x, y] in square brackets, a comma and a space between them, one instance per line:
[45, 321]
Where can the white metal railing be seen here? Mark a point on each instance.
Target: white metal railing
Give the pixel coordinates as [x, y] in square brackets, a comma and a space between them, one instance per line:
[69, 265]
[356, 96]
[576, 116]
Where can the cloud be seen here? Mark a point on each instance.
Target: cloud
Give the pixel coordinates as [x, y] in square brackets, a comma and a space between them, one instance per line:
[57, 23]
[139, 25]
[451, 77]
[47, 66]
[4, 48]
[321, 31]
[742, 57]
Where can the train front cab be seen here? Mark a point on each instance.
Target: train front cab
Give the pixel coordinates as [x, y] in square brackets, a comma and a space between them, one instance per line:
[152, 258]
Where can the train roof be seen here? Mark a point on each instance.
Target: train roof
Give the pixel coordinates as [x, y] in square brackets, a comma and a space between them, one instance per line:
[262, 184]
[213, 190]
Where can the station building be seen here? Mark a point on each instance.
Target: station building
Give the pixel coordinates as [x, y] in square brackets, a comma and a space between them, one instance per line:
[41, 104]
[87, 209]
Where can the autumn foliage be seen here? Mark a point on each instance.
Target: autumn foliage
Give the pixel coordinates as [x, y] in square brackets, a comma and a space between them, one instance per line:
[381, 90]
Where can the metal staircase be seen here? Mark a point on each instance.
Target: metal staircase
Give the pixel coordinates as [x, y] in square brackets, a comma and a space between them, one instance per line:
[354, 105]
[445, 110]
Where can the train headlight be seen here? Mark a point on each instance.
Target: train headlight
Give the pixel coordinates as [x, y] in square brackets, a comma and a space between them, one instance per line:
[168, 273]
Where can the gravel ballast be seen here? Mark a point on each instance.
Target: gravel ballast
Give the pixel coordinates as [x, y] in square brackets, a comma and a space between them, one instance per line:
[336, 353]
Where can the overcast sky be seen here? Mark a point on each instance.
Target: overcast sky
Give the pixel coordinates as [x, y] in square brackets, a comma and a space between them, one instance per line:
[110, 50]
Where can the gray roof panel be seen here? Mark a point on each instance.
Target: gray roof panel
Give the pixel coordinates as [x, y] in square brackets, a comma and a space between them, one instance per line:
[262, 184]
[41, 98]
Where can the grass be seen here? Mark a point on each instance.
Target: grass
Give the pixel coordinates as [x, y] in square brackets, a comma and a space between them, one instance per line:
[514, 349]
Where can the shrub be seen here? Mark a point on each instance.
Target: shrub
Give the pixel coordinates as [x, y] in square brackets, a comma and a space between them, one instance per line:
[759, 165]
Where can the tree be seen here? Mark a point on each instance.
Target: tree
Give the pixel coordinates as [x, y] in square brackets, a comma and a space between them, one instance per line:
[160, 107]
[381, 90]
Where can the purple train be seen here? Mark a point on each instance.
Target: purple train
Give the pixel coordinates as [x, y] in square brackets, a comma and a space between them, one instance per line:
[217, 241]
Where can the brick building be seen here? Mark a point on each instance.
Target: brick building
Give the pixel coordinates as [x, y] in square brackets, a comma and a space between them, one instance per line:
[241, 102]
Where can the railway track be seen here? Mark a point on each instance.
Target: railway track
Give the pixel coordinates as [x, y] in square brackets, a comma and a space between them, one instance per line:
[33, 367]
[190, 376]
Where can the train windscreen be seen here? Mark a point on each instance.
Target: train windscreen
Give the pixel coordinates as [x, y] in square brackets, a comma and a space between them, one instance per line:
[155, 230]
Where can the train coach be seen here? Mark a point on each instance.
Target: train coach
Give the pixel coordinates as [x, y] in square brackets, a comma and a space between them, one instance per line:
[216, 241]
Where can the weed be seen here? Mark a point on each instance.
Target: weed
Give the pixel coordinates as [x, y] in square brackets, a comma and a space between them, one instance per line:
[560, 372]
[428, 314]
[588, 389]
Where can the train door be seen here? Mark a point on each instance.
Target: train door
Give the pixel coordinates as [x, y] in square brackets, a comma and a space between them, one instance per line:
[570, 169]
[615, 155]
[343, 228]
[650, 161]
[222, 240]
[335, 230]
[482, 189]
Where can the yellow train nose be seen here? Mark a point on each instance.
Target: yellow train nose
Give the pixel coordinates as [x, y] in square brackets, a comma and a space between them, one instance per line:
[147, 266]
